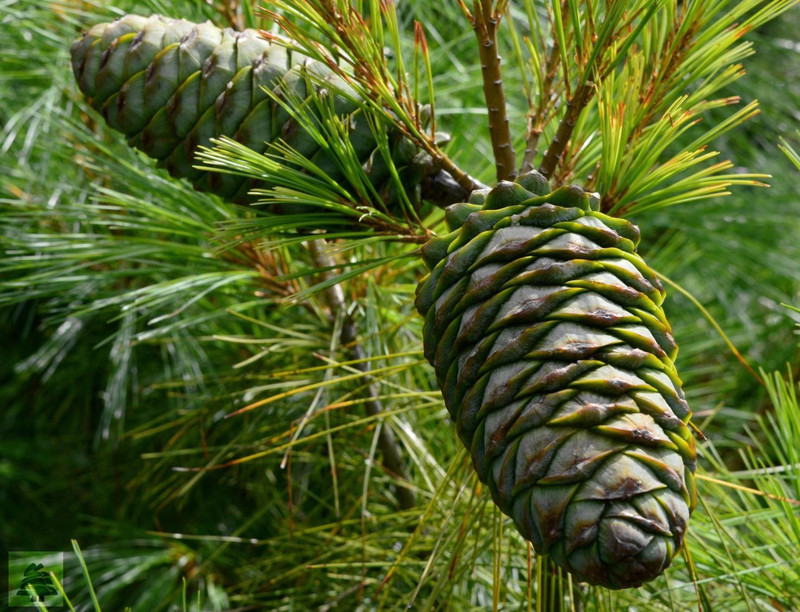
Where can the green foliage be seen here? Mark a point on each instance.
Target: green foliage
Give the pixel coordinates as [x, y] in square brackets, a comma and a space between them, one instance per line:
[645, 74]
[138, 315]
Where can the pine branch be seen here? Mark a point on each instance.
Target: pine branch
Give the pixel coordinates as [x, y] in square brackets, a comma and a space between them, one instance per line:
[392, 456]
[538, 119]
[485, 21]
[467, 183]
[610, 39]
[353, 48]
[575, 105]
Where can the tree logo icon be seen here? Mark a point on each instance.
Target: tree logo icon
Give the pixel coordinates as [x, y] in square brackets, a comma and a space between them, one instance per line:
[37, 583]
[30, 578]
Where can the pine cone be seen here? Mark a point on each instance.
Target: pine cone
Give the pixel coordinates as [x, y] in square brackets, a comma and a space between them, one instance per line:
[170, 86]
[555, 359]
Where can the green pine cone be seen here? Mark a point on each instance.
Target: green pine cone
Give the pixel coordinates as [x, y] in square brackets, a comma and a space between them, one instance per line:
[555, 359]
[170, 86]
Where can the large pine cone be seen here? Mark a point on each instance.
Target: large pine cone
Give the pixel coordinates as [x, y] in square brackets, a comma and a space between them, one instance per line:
[170, 86]
[555, 360]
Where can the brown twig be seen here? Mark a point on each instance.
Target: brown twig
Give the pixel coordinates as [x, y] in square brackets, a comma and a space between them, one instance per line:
[538, 119]
[390, 449]
[485, 20]
[229, 10]
[462, 178]
[564, 132]
[429, 145]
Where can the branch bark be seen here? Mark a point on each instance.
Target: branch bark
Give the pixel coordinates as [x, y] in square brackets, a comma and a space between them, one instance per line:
[485, 22]
[464, 180]
[538, 119]
[390, 448]
[564, 132]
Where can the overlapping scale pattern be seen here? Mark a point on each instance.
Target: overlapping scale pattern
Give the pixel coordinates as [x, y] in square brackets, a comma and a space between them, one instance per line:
[555, 359]
[171, 85]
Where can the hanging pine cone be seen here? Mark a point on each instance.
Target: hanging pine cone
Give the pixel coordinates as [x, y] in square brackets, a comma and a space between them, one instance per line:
[555, 359]
[170, 86]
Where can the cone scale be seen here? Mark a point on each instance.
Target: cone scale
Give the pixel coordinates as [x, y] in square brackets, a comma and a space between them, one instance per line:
[555, 360]
[171, 86]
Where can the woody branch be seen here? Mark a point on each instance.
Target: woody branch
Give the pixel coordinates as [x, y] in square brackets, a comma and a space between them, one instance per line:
[485, 18]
